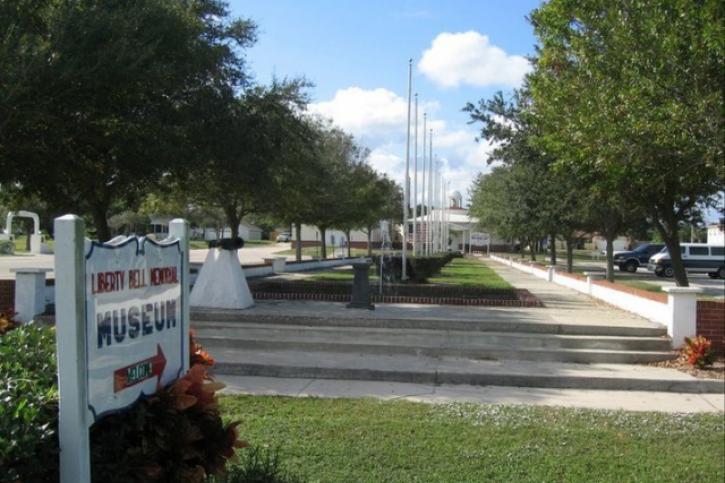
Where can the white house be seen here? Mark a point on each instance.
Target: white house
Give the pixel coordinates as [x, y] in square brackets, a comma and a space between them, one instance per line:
[246, 230]
[716, 233]
[310, 236]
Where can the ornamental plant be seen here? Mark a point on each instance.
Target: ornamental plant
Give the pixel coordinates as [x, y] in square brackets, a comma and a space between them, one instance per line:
[699, 351]
[7, 320]
[175, 435]
[28, 405]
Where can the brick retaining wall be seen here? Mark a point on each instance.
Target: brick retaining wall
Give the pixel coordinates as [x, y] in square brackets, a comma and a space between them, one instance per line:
[711, 323]
[7, 294]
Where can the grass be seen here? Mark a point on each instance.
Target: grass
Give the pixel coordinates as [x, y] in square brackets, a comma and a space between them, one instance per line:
[470, 272]
[639, 284]
[201, 244]
[365, 440]
[315, 252]
[342, 275]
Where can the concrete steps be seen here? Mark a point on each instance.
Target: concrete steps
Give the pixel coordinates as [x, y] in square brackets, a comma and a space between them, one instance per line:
[431, 350]
[494, 321]
[429, 370]
[439, 343]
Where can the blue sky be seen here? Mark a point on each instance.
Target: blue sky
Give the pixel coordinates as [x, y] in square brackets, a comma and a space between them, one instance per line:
[356, 54]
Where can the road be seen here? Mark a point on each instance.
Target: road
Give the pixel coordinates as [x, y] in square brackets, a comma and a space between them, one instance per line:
[711, 287]
[250, 255]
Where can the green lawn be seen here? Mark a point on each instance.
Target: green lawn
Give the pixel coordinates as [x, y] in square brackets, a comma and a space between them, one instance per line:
[471, 272]
[200, 244]
[315, 252]
[365, 440]
[649, 287]
[21, 240]
[342, 275]
[459, 271]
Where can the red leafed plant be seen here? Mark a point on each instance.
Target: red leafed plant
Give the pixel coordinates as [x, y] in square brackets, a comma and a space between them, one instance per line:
[699, 351]
[176, 435]
[198, 354]
[7, 320]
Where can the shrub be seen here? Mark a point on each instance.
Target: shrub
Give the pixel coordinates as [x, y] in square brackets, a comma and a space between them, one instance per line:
[257, 465]
[7, 320]
[28, 405]
[175, 435]
[419, 268]
[699, 351]
[7, 247]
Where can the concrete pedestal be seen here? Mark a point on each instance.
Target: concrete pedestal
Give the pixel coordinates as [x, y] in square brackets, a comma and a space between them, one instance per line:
[361, 287]
[278, 263]
[221, 283]
[29, 292]
[682, 315]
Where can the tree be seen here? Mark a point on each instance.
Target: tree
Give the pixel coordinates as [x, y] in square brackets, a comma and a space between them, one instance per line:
[329, 203]
[632, 93]
[96, 96]
[240, 143]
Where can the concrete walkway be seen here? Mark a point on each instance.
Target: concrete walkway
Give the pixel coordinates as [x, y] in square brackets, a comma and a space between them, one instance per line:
[566, 305]
[574, 398]
[249, 255]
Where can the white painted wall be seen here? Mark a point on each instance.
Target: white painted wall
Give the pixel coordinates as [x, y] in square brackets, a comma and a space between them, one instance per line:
[678, 314]
[334, 237]
[716, 235]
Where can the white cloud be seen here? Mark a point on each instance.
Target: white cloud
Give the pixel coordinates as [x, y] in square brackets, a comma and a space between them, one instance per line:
[470, 58]
[377, 119]
[373, 116]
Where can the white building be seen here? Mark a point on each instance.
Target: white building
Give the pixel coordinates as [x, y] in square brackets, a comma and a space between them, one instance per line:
[716, 233]
[310, 236]
[462, 227]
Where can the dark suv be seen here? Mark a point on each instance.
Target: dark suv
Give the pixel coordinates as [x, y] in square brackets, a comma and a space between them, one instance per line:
[631, 260]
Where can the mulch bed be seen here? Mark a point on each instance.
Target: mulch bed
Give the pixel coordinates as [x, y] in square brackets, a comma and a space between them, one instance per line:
[716, 371]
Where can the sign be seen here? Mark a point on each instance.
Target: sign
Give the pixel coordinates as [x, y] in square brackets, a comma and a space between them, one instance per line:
[122, 323]
[134, 336]
[479, 239]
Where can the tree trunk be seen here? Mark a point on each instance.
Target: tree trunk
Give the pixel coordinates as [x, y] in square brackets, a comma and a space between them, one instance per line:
[298, 239]
[98, 211]
[553, 249]
[569, 255]
[670, 235]
[532, 248]
[323, 242]
[370, 243]
[610, 257]
[233, 219]
[349, 248]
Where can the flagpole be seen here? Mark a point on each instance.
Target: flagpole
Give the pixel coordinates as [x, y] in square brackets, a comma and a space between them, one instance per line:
[423, 204]
[406, 188]
[415, 182]
[430, 192]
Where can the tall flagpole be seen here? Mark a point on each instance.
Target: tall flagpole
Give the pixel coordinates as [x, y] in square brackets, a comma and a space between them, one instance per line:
[430, 192]
[415, 182]
[423, 203]
[406, 189]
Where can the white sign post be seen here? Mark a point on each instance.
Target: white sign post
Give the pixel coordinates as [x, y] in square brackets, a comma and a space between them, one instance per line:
[122, 319]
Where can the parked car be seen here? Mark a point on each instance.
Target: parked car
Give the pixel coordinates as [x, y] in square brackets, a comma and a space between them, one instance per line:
[631, 260]
[697, 258]
[284, 237]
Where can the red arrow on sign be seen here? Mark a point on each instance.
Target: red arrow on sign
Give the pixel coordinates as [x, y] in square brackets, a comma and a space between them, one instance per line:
[141, 371]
